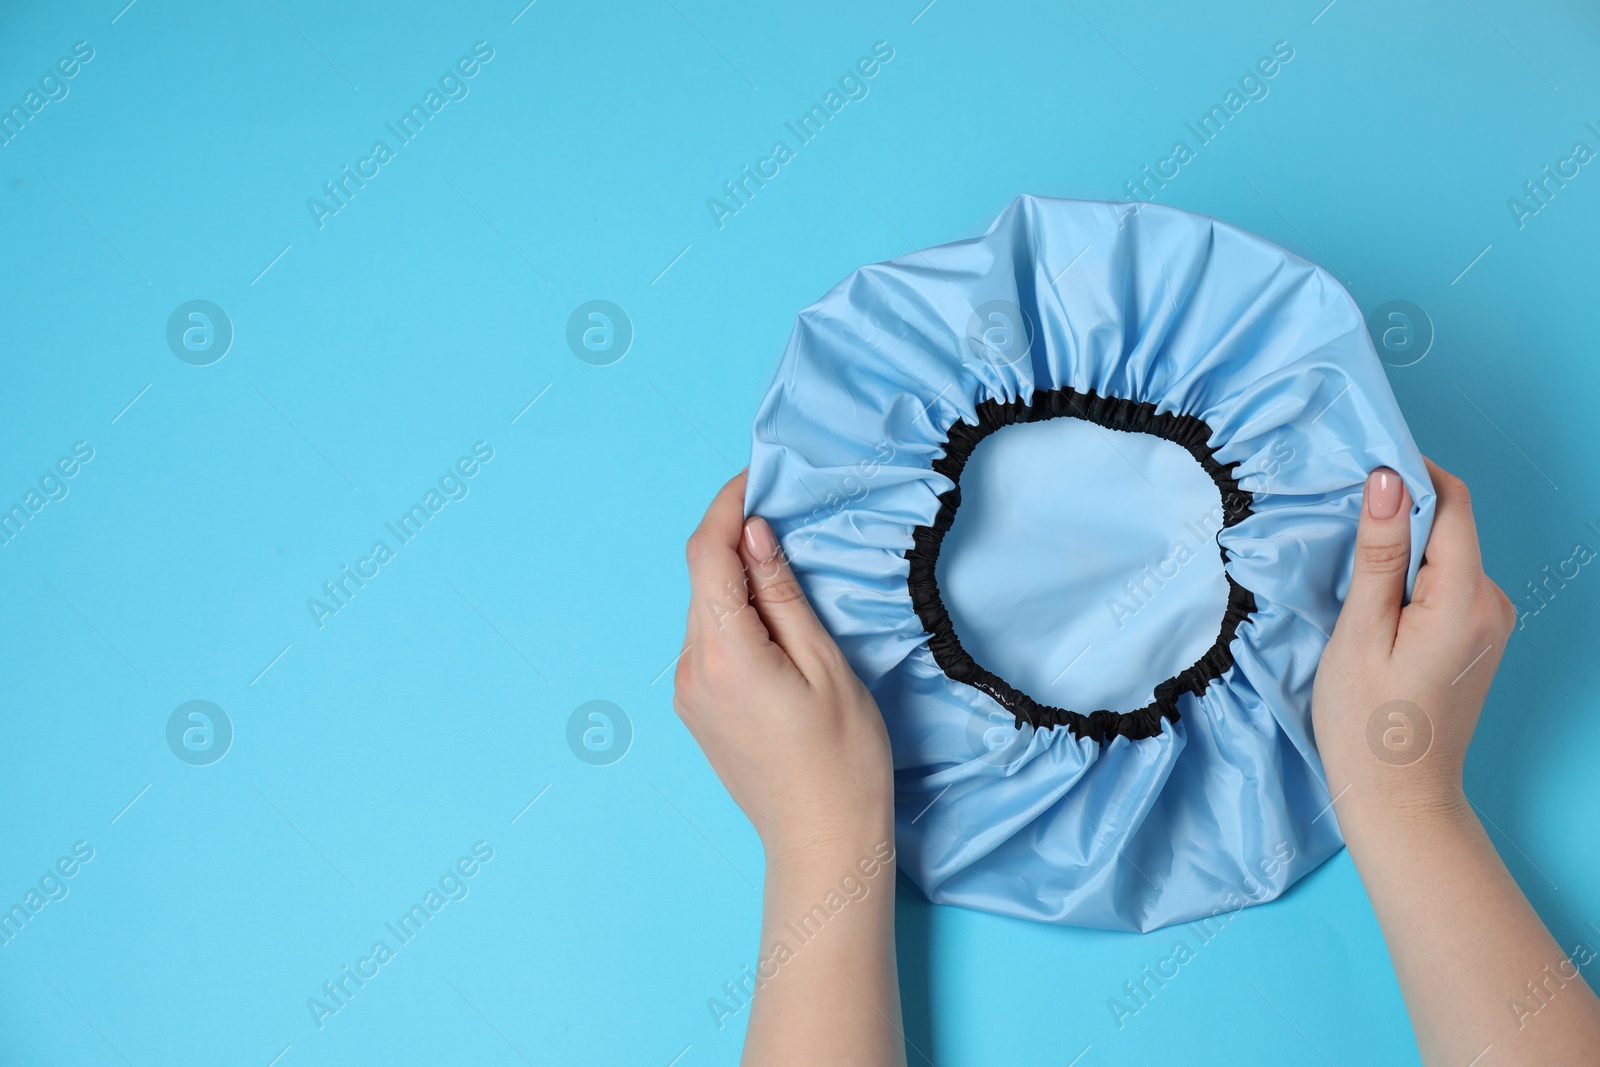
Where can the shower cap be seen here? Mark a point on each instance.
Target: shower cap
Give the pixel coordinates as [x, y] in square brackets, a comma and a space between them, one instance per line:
[1078, 498]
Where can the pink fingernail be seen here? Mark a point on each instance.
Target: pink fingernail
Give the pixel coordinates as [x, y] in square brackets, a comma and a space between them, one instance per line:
[758, 537]
[1383, 493]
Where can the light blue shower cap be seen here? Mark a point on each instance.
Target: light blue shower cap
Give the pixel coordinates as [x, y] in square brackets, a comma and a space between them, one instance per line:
[1078, 500]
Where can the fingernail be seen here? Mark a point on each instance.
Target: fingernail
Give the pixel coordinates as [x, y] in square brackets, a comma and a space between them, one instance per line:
[1383, 493]
[758, 537]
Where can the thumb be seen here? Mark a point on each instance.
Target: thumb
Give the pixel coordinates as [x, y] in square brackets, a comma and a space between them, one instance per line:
[777, 595]
[1371, 612]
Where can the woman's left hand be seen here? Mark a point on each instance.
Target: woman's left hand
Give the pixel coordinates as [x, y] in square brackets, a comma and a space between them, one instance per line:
[788, 727]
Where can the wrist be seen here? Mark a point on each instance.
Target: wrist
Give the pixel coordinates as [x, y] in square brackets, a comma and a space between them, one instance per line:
[1382, 787]
[814, 853]
[1374, 818]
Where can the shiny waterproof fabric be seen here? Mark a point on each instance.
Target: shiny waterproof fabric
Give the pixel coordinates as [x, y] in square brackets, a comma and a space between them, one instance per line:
[1062, 574]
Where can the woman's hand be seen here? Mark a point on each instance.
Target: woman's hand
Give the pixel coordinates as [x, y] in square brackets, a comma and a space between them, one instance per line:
[1399, 690]
[791, 731]
[1397, 697]
[799, 743]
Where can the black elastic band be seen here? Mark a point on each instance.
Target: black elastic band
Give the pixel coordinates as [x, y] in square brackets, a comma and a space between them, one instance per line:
[1114, 413]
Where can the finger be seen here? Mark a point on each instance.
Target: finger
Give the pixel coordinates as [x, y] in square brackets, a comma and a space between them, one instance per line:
[718, 595]
[1383, 553]
[777, 594]
[1453, 544]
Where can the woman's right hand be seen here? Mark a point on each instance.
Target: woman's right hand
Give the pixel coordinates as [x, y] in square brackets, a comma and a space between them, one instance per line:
[1400, 687]
[1397, 698]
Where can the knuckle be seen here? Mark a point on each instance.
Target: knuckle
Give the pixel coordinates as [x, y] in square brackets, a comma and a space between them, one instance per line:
[1508, 615]
[784, 589]
[1498, 609]
[1383, 557]
[1455, 487]
[698, 547]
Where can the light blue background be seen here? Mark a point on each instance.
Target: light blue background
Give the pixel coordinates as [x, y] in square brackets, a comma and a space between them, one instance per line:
[425, 316]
